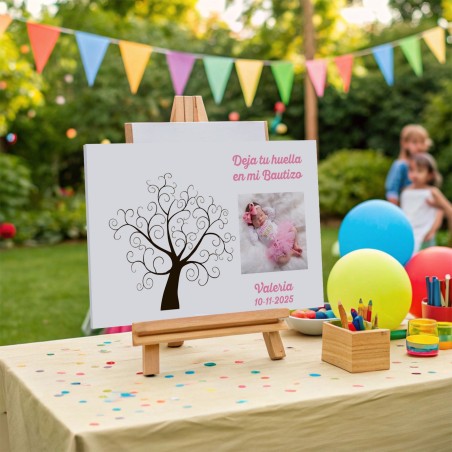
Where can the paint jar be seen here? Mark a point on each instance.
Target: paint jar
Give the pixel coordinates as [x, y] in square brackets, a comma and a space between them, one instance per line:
[422, 337]
[445, 335]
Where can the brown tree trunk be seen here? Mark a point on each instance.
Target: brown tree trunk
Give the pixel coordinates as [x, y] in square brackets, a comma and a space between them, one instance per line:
[170, 299]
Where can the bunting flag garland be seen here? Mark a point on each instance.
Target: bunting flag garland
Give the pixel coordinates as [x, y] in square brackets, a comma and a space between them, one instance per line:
[384, 56]
[42, 40]
[92, 49]
[283, 72]
[218, 70]
[317, 74]
[411, 48]
[436, 40]
[180, 66]
[249, 73]
[344, 66]
[135, 58]
[5, 20]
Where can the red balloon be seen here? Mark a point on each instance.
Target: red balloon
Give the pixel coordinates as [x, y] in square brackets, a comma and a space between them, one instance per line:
[7, 231]
[434, 261]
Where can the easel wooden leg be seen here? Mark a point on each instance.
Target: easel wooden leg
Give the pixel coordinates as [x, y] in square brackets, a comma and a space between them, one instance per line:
[274, 345]
[151, 359]
[175, 344]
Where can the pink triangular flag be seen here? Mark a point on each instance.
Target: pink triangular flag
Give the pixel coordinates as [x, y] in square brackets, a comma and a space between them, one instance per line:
[344, 66]
[180, 66]
[317, 74]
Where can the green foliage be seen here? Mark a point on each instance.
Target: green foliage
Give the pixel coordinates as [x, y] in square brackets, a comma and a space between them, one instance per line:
[438, 117]
[15, 186]
[57, 220]
[349, 177]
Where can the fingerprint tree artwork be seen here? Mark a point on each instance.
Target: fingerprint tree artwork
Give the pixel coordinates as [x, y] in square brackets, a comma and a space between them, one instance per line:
[176, 234]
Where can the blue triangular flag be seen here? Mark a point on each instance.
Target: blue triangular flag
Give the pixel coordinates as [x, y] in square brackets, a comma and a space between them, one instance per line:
[92, 50]
[384, 55]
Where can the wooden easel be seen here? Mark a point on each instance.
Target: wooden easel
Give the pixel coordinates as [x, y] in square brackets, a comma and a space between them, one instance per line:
[151, 334]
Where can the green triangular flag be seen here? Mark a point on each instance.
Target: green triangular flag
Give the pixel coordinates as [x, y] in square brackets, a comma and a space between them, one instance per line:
[284, 74]
[218, 70]
[411, 48]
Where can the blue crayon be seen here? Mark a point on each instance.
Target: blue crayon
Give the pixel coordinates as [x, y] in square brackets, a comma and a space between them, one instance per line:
[429, 290]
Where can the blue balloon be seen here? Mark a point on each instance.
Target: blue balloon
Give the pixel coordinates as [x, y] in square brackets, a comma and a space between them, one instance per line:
[378, 225]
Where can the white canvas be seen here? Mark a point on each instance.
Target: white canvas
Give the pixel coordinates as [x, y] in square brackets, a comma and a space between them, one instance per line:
[229, 270]
[181, 132]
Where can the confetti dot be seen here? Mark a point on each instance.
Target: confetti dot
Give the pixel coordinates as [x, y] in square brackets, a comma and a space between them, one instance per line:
[415, 373]
[190, 372]
[239, 362]
[79, 373]
[106, 390]
[39, 370]
[179, 385]
[255, 371]
[82, 401]
[116, 409]
[50, 354]
[210, 364]
[169, 376]
[241, 386]
[315, 375]
[58, 395]
[139, 373]
[110, 362]
[358, 386]
[432, 372]
[107, 367]
[75, 383]
[186, 406]
[265, 378]
[127, 394]
[396, 362]
[94, 424]
[160, 401]
[241, 401]
[61, 372]
[224, 377]
[65, 392]
[107, 342]
[145, 404]
[267, 386]
[290, 390]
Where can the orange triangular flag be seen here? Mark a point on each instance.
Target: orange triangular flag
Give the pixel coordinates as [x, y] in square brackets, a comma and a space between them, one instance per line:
[344, 65]
[42, 39]
[436, 40]
[135, 57]
[5, 20]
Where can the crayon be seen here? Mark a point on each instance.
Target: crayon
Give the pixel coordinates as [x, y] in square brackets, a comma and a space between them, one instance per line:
[356, 323]
[442, 289]
[398, 334]
[354, 313]
[429, 290]
[436, 292]
[361, 323]
[376, 321]
[369, 311]
[342, 315]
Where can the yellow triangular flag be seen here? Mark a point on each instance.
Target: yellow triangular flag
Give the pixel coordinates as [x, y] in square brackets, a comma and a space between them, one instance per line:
[436, 40]
[5, 20]
[135, 57]
[249, 72]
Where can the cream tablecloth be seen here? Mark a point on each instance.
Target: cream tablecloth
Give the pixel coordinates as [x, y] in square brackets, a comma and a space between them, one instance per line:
[218, 395]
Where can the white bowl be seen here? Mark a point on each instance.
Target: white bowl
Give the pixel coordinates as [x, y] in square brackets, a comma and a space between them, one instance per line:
[312, 327]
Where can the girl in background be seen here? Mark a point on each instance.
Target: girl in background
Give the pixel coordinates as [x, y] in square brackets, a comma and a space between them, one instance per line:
[414, 139]
[414, 201]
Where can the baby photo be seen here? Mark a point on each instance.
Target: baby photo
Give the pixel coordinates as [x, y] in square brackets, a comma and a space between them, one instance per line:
[272, 232]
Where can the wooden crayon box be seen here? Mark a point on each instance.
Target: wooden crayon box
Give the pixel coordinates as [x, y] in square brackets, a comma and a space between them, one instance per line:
[362, 351]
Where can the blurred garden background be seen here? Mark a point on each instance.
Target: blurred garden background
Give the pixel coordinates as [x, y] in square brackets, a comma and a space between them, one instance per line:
[45, 119]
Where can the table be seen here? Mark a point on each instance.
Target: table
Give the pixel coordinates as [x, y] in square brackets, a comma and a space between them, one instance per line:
[220, 394]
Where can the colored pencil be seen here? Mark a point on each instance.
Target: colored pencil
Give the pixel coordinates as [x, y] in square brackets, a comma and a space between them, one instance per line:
[369, 311]
[360, 307]
[447, 295]
[376, 321]
[343, 316]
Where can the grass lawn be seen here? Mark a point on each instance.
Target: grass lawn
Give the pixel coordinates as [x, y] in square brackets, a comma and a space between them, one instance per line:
[44, 290]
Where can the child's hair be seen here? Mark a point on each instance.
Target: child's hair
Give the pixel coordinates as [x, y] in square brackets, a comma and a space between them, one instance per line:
[411, 131]
[427, 162]
[254, 203]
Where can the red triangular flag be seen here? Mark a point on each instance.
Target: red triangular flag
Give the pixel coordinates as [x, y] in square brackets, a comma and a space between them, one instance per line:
[317, 74]
[42, 39]
[344, 66]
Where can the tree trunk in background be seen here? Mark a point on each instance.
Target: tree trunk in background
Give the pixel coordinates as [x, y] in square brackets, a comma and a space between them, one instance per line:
[310, 99]
[170, 299]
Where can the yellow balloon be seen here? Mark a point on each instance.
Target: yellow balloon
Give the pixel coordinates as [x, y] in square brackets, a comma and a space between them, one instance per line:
[371, 275]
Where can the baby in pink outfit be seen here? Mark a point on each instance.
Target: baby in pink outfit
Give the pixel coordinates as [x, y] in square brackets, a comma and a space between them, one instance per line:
[280, 239]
